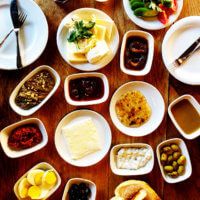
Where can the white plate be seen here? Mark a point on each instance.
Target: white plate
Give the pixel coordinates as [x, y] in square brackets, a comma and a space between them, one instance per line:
[104, 132]
[184, 150]
[151, 23]
[32, 42]
[62, 39]
[154, 99]
[177, 39]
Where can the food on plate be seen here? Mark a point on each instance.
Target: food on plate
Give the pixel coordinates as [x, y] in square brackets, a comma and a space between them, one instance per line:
[136, 52]
[162, 9]
[79, 191]
[88, 38]
[133, 158]
[35, 90]
[37, 184]
[172, 160]
[86, 88]
[82, 138]
[135, 190]
[186, 116]
[24, 137]
[132, 109]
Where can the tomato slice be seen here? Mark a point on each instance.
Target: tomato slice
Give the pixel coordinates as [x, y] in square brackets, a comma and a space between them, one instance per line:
[162, 17]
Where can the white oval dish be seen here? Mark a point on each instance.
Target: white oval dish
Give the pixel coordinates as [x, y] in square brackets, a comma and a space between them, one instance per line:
[23, 112]
[78, 181]
[62, 39]
[150, 41]
[44, 166]
[127, 172]
[104, 132]
[84, 75]
[151, 23]
[32, 42]
[177, 39]
[154, 99]
[4, 135]
[196, 105]
[183, 147]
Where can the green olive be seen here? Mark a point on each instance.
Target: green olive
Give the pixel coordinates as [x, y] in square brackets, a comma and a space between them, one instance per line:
[173, 174]
[167, 150]
[163, 158]
[176, 155]
[168, 168]
[175, 147]
[170, 159]
[175, 165]
[181, 160]
[181, 169]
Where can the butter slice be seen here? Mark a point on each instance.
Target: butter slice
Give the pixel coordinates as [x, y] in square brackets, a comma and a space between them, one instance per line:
[82, 138]
[108, 25]
[98, 52]
[100, 32]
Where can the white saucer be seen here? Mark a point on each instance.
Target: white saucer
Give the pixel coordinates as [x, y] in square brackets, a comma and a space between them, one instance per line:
[103, 131]
[33, 35]
[62, 39]
[151, 23]
[177, 39]
[155, 101]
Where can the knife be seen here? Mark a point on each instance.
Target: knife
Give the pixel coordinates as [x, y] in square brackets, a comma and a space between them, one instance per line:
[186, 54]
[16, 24]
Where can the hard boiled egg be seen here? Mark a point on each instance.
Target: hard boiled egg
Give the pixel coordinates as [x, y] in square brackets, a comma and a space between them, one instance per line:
[34, 177]
[23, 188]
[49, 179]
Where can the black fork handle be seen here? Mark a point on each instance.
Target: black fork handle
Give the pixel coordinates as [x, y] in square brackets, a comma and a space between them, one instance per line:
[19, 62]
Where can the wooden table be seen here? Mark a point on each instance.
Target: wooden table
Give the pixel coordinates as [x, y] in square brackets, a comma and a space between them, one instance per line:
[56, 108]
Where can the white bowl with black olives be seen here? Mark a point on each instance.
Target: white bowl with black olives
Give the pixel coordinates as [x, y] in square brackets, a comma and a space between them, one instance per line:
[34, 90]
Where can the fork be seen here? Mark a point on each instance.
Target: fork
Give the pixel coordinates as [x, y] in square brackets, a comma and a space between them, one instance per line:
[22, 19]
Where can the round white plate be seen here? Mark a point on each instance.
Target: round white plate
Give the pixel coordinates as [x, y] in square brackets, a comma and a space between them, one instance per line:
[103, 131]
[62, 39]
[33, 34]
[151, 23]
[177, 39]
[154, 99]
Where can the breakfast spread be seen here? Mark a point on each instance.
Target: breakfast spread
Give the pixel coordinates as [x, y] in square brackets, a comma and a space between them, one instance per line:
[135, 190]
[24, 137]
[35, 90]
[186, 116]
[82, 138]
[133, 109]
[79, 191]
[87, 39]
[162, 9]
[136, 52]
[133, 158]
[37, 184]
[86, 88]
[172, 160]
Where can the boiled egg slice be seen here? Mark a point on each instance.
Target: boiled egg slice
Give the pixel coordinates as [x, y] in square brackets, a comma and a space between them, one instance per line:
[23, 188]
[49, 179]
[37, 192]
[34, 177]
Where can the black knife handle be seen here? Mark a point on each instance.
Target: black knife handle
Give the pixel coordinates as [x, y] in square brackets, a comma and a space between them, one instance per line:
[19, 62]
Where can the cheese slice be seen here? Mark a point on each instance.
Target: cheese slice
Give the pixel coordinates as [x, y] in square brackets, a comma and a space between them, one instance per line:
[100, 32]
[82, 138]
[76, 58]
[98, 52]
[108, 25]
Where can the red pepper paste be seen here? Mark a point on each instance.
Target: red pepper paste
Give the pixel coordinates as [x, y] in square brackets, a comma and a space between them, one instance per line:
[24, 137]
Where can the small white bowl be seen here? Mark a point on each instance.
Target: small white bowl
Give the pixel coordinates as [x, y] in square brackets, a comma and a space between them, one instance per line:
[30, 111]
[150, 40]
[43, 166]
[78, 181]
[188, 166]
[4, 135]
[154, 99]
[127, 172]
[196, 105]
[84, 75]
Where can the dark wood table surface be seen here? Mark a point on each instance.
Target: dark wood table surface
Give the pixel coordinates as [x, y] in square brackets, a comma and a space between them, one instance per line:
[56, 108]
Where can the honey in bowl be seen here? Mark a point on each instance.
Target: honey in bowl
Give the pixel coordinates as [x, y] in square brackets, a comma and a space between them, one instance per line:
[186, 116]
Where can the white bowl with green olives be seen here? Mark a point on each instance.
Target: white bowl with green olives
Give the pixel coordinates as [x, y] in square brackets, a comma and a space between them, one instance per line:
[174, 160]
